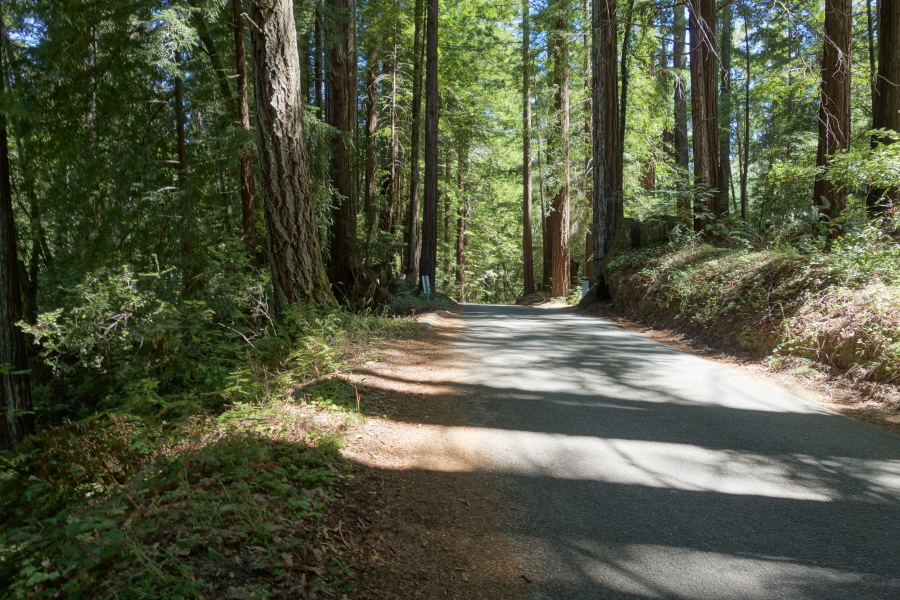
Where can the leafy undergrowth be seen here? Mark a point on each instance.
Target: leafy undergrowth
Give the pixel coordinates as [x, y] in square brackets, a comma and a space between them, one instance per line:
[234, 511]
[836, 311]
[228, 502]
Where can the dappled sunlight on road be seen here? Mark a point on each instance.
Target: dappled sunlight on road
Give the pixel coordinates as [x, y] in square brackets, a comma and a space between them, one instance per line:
[647, 463]
[643, 472]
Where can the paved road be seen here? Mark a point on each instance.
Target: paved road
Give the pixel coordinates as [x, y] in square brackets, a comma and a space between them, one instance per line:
[649, 473]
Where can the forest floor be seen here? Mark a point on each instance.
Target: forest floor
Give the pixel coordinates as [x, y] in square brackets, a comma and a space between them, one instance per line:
[417, 522]
[832, 391]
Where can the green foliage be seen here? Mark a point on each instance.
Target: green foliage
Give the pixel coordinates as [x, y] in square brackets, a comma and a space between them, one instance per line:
[232, 499]
[878, 167]
[834, 308]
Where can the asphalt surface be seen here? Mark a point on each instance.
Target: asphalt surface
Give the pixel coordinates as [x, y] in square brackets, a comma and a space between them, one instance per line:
[644, 472]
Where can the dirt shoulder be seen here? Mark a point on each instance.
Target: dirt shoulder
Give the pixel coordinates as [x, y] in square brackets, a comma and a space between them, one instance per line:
[850, 398]
[416, 519]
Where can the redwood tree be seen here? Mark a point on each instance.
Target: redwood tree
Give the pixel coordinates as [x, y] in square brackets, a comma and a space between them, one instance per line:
[428, 262]
[527, 250]
[415, 143]
[17, 420]
[679, 64]
[886, 98]
[298, 274]
[248, 182]
[834, 103]
[607, 150]
[704, 110]
[340, 59]
[559, 218]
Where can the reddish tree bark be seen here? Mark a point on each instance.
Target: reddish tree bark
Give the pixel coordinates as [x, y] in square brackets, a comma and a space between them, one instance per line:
[886, 99]
[607, 150]
[16, 420]
[559, 56]
[834, 104]
[527, 250]
[704, 111]
[340, 59]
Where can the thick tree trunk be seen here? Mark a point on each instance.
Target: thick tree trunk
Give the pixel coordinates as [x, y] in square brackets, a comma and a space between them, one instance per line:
[248, 180]
[527, 249]
[298, 275]
[886, 102]
[745, 164]
[340, 61]
[17, 420]
[559, 57]
[415, 142]
[370, 186]
[704, 111]
[428, 262]
[725, 105]
[607, 151]
[834, 103]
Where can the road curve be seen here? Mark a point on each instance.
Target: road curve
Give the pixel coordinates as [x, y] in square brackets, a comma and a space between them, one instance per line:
[644, 472]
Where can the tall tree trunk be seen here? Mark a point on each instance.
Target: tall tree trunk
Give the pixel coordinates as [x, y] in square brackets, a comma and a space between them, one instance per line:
[546, 246]
[834, 103]
[415, 142]
[184, 195]
[623, 77]
[340, 61]
[370, 186]
[17, 420]
[298, 274]
[462, 158]
[679, 65]
[448, 212]
[527, 250]
[745, 163]
[318, 60]
[607, 151]
[461, 173]
[394, 189]
[248, 180]
[428, 262]
[725, 105]
[704, 111]
[886, 103]
[559, 57]
[870, 38]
